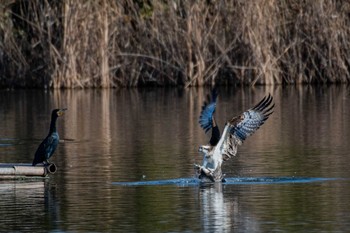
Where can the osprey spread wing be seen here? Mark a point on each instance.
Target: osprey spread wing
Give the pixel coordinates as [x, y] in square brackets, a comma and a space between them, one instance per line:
[239, 128]
[236, 130]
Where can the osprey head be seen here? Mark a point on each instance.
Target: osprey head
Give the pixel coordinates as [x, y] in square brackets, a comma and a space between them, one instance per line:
[205, 149]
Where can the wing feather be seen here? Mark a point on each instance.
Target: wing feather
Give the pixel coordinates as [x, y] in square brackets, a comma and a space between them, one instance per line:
[242, 126]
[208, 109]
[250, 121]
[46, 148]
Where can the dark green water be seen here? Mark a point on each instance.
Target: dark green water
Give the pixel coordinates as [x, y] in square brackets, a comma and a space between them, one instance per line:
[152, 135]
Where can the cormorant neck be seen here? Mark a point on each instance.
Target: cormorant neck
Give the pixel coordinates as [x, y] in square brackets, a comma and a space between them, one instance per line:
[53, 124]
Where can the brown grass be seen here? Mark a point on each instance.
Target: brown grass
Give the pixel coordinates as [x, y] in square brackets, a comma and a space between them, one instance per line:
[109, 43]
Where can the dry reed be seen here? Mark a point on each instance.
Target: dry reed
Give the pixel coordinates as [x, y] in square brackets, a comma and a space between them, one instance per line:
[105, 43]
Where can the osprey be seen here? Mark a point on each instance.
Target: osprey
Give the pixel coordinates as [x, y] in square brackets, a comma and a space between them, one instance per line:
[221, 148]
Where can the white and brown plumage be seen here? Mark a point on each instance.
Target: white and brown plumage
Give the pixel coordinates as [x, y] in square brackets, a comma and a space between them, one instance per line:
[235, 132]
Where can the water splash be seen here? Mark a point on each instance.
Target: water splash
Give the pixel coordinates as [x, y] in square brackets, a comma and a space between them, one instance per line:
[275, 180]
[228, 181]
[179, 182]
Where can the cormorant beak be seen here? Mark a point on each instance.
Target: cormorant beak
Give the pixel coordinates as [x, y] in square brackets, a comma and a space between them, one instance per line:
[61, 112]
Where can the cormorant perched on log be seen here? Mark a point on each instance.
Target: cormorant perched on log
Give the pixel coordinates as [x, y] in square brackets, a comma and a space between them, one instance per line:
[221, 148]
[49, 145]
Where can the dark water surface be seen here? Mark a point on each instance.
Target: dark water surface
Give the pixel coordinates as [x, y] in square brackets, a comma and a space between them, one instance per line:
[126, 162]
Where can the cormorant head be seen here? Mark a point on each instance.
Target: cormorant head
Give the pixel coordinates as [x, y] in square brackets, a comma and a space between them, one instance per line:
[58, 112]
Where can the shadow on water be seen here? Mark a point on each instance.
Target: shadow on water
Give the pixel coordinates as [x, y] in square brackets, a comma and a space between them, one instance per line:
[228, 181]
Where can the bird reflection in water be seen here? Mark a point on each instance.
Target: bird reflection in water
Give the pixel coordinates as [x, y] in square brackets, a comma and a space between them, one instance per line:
[222, 211]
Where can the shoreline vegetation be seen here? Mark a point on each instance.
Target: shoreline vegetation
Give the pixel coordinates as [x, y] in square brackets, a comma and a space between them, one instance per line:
[106, 44]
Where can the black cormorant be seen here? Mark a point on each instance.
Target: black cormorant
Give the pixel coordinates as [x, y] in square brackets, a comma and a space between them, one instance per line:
[49, 145]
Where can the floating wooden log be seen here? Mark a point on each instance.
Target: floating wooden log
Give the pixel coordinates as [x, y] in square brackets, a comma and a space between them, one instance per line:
[23, 170]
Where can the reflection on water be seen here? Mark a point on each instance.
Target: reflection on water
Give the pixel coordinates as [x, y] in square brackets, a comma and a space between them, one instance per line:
[217, 213]
[27, 206]
[144, 135]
